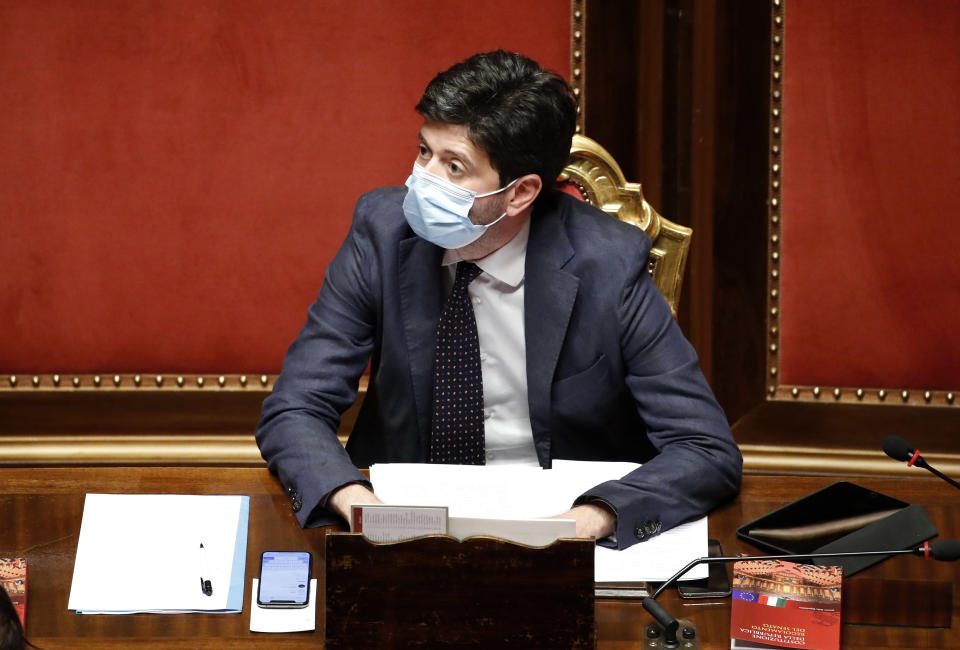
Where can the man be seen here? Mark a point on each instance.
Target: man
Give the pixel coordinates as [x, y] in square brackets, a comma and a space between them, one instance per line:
[503, 321]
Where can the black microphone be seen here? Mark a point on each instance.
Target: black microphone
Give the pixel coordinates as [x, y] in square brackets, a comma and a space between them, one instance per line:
[899, 449]
[945, 550]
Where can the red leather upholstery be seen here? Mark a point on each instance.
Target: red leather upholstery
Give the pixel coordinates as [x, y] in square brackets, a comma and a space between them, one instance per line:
[175, 177]
[870, 290]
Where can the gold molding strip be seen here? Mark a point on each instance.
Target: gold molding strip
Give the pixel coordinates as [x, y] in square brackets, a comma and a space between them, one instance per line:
[240, 450]
[85, 449]
[777, 391]
[578, 57]
[133, 382]
[820, 461]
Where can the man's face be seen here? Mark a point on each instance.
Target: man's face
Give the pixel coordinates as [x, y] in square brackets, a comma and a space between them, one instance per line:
[445, 150]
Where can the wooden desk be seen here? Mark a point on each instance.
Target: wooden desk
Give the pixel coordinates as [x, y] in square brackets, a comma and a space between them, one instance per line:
[40, 510]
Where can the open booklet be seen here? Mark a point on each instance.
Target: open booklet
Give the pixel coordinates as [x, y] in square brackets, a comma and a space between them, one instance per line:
[520, 492]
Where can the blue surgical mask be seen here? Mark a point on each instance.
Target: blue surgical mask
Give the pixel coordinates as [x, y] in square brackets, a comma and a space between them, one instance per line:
[439, 211]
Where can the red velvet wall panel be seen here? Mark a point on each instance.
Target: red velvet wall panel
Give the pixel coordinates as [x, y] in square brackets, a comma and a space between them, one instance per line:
[176, 175]
[870, 286]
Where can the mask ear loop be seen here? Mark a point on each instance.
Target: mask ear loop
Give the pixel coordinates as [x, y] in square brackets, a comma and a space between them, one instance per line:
[487, 225]
[502, 189]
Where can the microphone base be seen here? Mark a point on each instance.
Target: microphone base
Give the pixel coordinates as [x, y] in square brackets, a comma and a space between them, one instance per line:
[654, 637]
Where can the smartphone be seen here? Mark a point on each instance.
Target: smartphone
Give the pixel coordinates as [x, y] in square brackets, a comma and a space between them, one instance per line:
[284, 579]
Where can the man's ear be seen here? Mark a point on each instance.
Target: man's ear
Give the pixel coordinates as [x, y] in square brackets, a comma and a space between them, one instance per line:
[525, 190]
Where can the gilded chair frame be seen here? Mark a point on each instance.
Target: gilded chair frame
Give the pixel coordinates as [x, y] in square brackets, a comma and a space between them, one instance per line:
[599, 179]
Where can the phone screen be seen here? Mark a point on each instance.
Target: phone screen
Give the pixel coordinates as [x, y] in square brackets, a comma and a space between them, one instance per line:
[284, 579]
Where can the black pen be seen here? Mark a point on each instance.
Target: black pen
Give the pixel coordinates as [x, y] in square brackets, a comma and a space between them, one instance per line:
[206, 586]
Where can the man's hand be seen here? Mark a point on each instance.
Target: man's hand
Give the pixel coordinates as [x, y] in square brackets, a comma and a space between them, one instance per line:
[592, 520]
[353, 494]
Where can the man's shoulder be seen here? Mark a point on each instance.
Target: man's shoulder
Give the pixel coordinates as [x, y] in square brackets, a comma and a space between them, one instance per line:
[388, 198]
[590, 229]
[381, 211]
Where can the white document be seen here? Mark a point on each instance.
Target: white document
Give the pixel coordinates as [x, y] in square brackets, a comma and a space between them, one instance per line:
[532, 532]
[520, 492]
[279, 619]
[141, 553]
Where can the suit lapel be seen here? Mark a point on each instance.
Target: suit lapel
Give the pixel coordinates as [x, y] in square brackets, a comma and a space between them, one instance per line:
[421, 299]
[549, 296]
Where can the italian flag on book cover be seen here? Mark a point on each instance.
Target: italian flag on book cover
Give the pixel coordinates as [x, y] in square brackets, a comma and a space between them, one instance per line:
[779, 604]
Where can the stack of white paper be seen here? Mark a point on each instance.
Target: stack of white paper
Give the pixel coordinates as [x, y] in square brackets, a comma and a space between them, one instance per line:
[141, 553]
[520, 492]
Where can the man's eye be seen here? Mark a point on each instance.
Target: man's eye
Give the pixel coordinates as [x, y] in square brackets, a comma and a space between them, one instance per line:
[422, 150]
[455, 168]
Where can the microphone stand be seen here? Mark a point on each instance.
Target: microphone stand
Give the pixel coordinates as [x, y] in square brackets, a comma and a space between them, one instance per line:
[920, 462]
[947, 549]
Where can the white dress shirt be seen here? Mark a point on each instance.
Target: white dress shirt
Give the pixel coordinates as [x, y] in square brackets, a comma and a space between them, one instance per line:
[497, 296]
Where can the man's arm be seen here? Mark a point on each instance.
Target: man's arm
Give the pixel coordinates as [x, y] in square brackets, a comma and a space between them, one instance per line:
[297, 433]
[593, 520]
[699, 464]
[354, 494]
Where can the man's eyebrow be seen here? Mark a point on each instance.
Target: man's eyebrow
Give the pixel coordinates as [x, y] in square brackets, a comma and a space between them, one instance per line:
[456, 153]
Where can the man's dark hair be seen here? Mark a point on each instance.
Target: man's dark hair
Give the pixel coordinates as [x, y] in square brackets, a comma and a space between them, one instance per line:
[522, 116]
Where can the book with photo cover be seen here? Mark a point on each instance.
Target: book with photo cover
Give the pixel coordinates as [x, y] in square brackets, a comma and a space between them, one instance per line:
[13, 580]
[778, 604]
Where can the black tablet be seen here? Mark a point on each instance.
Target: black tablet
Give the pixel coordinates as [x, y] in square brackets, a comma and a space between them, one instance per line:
[842, 517]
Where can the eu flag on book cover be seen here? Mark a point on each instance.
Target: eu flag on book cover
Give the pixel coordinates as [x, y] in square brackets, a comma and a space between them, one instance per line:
[786, 605]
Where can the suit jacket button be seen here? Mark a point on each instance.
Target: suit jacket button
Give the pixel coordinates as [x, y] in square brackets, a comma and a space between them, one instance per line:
[297, 504]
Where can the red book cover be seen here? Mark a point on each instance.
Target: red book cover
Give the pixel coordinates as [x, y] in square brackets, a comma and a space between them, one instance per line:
[13, 580]
[786, 605]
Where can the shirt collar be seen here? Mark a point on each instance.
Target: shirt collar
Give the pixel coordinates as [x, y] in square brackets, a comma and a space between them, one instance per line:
[506, 264]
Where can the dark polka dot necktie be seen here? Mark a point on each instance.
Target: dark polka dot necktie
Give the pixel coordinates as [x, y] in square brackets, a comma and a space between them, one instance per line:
[457, 431]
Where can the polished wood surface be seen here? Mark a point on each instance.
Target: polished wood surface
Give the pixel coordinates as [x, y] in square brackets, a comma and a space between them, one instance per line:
[482, 592]
[41, 510]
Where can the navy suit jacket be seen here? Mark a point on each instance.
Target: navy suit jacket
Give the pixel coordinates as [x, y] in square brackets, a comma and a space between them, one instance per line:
[610, 376]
